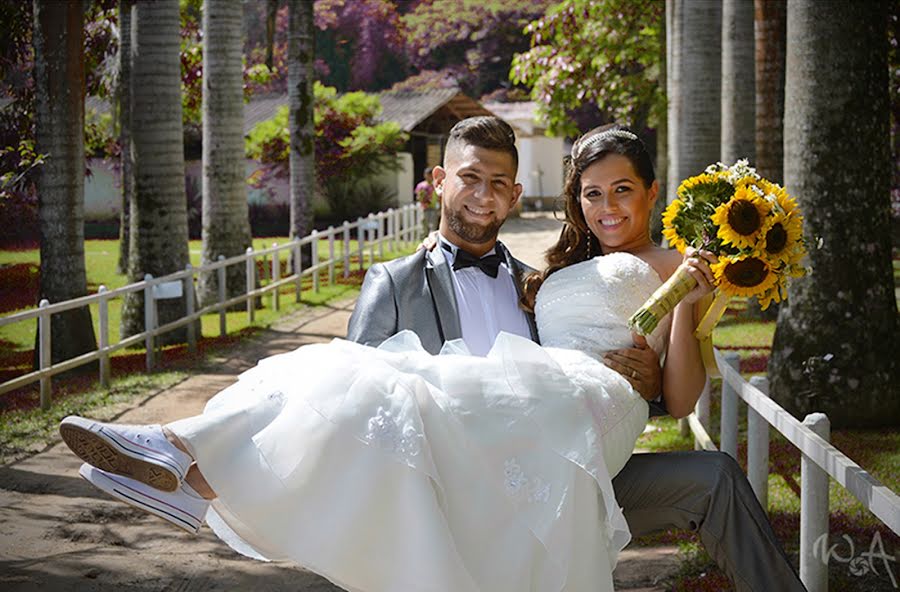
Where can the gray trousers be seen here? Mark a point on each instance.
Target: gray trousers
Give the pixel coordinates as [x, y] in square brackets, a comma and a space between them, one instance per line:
[707, 492]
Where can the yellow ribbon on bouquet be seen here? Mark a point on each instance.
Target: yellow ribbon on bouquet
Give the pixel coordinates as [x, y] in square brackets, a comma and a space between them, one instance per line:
[712, 307]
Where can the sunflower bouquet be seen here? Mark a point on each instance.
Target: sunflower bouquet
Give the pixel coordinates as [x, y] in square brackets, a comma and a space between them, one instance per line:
[750, 223]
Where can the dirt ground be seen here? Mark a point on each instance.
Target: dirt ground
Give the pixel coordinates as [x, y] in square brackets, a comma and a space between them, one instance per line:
[58, 533]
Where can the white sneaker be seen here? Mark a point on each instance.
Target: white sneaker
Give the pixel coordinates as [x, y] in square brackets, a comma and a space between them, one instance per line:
[184, 508]
[139, 452]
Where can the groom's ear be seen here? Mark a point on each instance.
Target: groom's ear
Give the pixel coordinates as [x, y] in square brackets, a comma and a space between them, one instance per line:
[438, 174]
[517, 193]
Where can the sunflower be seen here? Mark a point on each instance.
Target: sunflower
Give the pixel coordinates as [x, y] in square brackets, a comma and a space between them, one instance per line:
[692, 182]
[776, 193]
[781, 239]
[669, 231]
[742, 219]
[742, 275]
[776, 294]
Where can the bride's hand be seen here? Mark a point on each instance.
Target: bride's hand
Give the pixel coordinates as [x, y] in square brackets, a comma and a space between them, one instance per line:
[429, 242]
[697, 264]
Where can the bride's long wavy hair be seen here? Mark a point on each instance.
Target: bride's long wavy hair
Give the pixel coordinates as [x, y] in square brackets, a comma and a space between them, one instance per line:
[576, 241]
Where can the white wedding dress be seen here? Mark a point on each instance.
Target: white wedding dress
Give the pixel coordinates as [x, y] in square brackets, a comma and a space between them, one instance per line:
[391, 470]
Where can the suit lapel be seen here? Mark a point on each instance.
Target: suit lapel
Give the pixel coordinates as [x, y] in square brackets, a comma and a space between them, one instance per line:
[440, 284]
[518, 277]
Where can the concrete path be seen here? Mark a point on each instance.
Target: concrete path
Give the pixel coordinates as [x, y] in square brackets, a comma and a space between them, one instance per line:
[57, 533]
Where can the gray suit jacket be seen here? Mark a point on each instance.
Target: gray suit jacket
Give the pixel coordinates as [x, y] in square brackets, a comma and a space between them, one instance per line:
[416, 293]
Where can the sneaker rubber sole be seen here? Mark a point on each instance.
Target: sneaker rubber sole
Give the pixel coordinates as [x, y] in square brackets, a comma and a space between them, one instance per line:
[151, 502]
[108, 451]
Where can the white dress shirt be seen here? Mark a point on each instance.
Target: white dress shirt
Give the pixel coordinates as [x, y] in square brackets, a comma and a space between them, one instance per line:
[486, 305]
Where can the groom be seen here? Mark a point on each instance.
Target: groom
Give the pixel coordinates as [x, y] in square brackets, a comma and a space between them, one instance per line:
[469, 287]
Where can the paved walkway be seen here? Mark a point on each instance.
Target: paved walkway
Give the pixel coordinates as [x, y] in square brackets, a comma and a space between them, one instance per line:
[60, 534]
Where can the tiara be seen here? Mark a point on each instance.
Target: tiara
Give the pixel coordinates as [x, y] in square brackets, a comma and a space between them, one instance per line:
[596, 138]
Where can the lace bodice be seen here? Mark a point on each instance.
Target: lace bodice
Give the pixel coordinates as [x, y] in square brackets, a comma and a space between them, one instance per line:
[586, 306]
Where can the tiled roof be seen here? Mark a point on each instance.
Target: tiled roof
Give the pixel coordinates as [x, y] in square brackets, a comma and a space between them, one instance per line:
[410, 108]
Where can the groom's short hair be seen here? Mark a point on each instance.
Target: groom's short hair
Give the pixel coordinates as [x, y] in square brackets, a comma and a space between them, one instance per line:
[483, 131]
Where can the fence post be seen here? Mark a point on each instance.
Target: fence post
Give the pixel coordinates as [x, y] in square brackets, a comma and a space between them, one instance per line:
[728, 427]
[314, 243]
[392, 240]
[223, 291]
[251, 282]
[407, 225]
[380, 231]
[45, 354]
[370, 228]
[103, 313]
[189, 306]
[701, 408]
[758, 447]
[331, 255]
[361, 243]
[149, 320]
[276, 275]
[814, 510]
[298, 269]
[346, 250]
[265, 267]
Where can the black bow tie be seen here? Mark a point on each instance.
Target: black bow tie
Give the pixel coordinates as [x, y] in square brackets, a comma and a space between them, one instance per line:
[489, 264]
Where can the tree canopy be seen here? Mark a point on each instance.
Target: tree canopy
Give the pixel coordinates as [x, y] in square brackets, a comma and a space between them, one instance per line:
[605, 53]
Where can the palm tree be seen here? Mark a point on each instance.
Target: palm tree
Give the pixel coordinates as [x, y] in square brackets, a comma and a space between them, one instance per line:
[770, 40]
[694, 83]
[836, 342]
[159, 211]
[123, 91]
[674, 9]
[58, 38]
[301, 54]
[226, 222]
[738, 81]
[700, 83]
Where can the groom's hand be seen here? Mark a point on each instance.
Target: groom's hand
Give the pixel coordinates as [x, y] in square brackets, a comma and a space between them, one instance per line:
[640, 367]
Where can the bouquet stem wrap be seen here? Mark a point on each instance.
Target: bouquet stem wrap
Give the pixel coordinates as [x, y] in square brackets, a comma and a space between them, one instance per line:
[662, 302]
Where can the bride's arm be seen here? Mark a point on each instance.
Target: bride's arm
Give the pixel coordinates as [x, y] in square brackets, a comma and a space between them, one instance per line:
[683, 371]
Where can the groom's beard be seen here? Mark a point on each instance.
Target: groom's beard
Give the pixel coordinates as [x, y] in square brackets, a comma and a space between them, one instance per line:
[472, 233]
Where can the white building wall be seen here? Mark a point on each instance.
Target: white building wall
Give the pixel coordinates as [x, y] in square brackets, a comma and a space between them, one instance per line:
[540, 166]
[401, 182]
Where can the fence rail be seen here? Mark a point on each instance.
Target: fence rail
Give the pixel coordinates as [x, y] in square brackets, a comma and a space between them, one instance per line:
[394, 228]
[819, 461]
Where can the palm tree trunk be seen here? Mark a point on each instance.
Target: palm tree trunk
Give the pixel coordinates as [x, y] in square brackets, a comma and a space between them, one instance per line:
[738, 81]
[674, 10]
[159, 212]
[301, 54]
[58, 39]
[226, 221]
[770, 40]
[124, 96]
[836, 343]
[700, 83]
[662, 142]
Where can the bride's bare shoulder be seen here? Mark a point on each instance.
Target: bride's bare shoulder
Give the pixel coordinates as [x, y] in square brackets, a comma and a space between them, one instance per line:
[663, 261]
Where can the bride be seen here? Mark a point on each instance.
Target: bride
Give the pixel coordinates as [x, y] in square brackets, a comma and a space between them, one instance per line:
[389, 468]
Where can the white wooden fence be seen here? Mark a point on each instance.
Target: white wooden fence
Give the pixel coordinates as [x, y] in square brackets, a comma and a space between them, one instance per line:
[394, 227]
[819, 460]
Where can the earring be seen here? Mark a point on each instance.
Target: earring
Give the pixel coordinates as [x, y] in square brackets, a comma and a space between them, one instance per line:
[590, 237]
